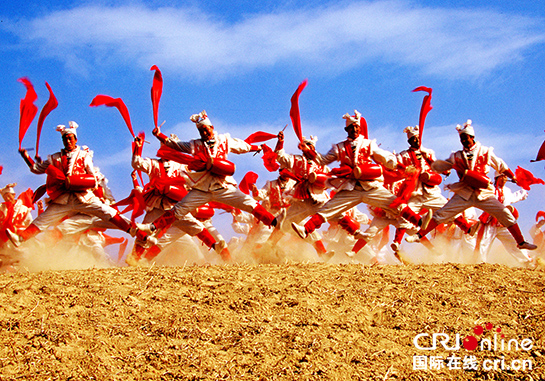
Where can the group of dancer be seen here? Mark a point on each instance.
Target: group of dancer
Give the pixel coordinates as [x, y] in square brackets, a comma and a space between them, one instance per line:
[188, 181]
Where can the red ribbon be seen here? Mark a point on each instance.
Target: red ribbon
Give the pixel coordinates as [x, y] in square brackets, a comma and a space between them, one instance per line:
[269, 158]
[249, 179]
[156, 91]
[294, 110]
[108, 101]
[540, 154]
[424, 109]
[525, 178]
[259, 136]
[27, 108]
[51, 105]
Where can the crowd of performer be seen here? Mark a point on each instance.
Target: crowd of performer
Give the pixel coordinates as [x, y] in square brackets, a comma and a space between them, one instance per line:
[336, 207]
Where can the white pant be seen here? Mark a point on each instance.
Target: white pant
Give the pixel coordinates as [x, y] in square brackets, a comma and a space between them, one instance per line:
[492, 232]
[491, 205]
[230, 195]
[347, 199]
[187, 224]
[56, 212]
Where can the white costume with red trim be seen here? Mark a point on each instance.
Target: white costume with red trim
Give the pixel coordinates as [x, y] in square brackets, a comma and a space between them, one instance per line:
[351, 192]
[423, 195]
[306, 198]
[76, 162]
[275, 194]
[20, 215]
[165, 177]
[479, 159]
[207, 186]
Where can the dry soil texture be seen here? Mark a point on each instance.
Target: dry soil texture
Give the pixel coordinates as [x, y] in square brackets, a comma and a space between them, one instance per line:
[296, 321]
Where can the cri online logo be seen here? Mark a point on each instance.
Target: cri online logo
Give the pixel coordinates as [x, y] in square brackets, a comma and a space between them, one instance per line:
[471, 342]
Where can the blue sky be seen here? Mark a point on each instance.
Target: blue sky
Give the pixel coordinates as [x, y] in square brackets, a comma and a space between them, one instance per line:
[242, 62]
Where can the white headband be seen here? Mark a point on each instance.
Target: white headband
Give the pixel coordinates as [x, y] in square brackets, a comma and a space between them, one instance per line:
[201, 119]
[412, 131]
[71, 130]
[467, 128]
[350, 119]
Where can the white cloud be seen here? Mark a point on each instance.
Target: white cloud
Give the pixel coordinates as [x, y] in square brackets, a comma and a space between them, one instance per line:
[445, 42]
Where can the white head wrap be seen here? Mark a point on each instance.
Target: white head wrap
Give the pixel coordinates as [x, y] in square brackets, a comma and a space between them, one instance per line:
[412, 131]
[356, 118]
[312, 140]
[201, 119]
[8, 189]
[467, 128]
[71, 130]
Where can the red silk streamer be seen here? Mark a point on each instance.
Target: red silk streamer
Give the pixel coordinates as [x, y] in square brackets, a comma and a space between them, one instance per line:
[138, 150]
[269, 158]
[26, 198]
[294, 110]
[541, 153]
[525, 178]
[426, 107]
[27, 108]
[259, 136]
[249, 179]
[51, 105]
[135, 202]
[156, 91]
[8, 222]
[108, 101]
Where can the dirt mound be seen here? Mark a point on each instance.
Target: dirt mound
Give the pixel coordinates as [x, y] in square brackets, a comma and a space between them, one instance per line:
[272, 322]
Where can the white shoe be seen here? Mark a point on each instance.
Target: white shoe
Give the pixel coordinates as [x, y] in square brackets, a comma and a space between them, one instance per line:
[527, 246]
[151, 240]
[131, 259]
[328, 255]
[300, 230]
[15, 238]
[219, 246]
[280, 218]
[350, 254]
[413, 238]
[146, 228]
